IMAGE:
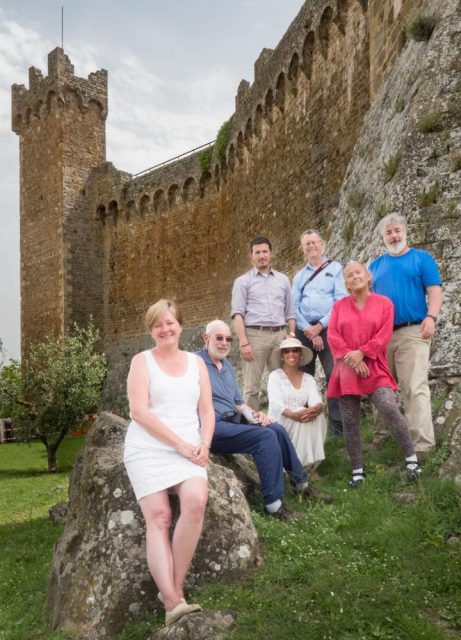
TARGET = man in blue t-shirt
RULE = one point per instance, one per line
(240, 429)
(411, 279)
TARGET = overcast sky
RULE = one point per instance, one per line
(174, 68)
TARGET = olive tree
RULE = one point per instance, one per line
(55, 387)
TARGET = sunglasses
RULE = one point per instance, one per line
(292, 350)
(220, 338)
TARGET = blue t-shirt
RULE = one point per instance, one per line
(404, 279)
(226, 394)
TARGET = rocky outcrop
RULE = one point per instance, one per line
(99, 580)
(207, 625)
(408, 159)
(448, 424)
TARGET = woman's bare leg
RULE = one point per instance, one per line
(193, 495)
(157, 515)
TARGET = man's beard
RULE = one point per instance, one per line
(397, 248)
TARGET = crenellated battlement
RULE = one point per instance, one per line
(299, 61)
(100, 242)
(60, 88)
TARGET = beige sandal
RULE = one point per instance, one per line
(181, 609)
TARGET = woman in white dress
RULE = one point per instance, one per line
(295, 402)
(166, 447)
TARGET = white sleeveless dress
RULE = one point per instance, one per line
(151, 464)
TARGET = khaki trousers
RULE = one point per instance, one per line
(408, 358)
(264, 345)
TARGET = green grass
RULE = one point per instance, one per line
(362, 568)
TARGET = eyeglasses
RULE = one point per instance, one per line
(291, 350)
(220, 338)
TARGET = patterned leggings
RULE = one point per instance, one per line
(384, 400)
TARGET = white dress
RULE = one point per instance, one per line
(151, 464)
(307, 437)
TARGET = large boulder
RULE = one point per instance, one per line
(99, 579)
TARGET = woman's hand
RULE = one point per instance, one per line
(306, 414)
(353, 358)
(201, 455)
(362, 370)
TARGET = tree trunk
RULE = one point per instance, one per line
(51, 450)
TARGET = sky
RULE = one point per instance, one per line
(174, 68)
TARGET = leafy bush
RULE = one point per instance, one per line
(57, 385)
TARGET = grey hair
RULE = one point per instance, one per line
(213, 325)
(389, 219)
(308, 233)
(365, 268)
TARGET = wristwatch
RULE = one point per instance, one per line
(434, 318)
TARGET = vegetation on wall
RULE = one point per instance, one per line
(389, 168)
(430, 121)
(222, 140)
(204, 159)
(355, 199)
(426, 198)
(421, 26)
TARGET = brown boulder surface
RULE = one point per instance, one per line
(99, 579)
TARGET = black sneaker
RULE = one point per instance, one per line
(357, 480)
(284, 512)
(413, 471)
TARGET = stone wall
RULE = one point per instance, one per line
(388, 21)
(183, 233)
(96, 241)
(60, 121)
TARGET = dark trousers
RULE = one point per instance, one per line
(335, 424)
(272, 451)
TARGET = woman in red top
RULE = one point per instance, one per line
(359, 331)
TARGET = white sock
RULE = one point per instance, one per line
(273, 506)
(357, 474)
(302, 485)
(413, 458)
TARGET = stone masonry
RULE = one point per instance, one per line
(97, 241)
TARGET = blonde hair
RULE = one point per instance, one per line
(157, 310)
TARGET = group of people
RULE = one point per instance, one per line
(185, 405)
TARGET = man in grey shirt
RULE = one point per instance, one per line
(262, 307)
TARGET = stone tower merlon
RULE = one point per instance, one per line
(61, 78)
(60, 121)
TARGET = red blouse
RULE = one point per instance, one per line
(368, 329)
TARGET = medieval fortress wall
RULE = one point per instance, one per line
(97, 241)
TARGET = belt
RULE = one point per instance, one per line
(406, 324)
(260, 328)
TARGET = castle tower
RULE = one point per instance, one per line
(60, 121)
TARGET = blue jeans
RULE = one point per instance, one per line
(272, 451)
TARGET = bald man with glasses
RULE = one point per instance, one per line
(240, 429)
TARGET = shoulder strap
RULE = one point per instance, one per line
(323, 266)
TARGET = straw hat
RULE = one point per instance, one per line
(291, 343)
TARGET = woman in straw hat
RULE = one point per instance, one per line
(295, 402)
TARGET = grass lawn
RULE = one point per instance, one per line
(365, 567)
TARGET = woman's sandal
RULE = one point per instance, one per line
(413, 471)
(357, 480)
